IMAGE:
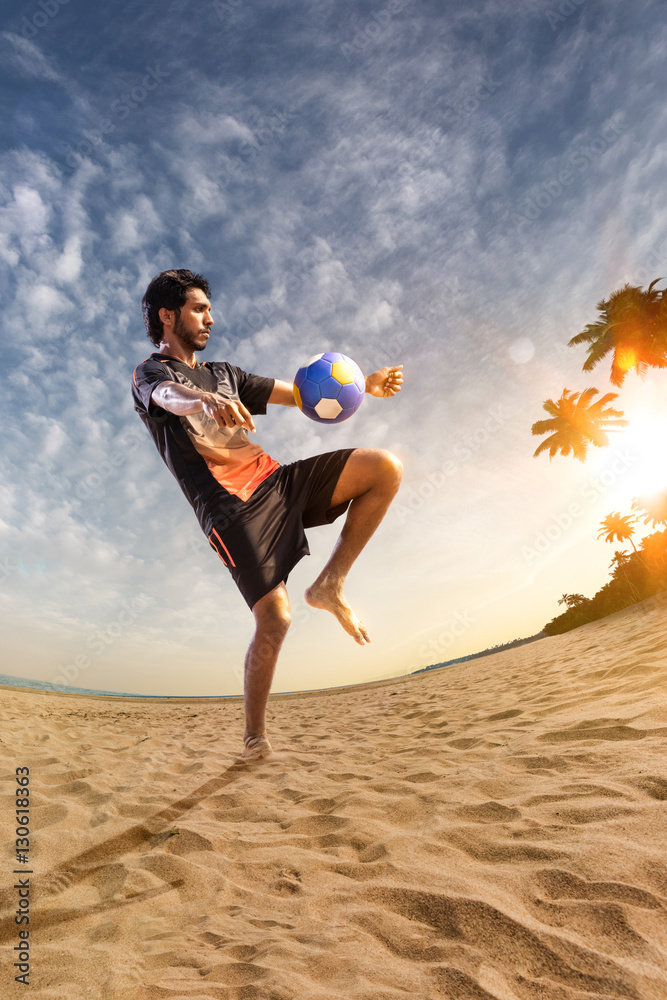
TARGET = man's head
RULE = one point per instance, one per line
(164, 299)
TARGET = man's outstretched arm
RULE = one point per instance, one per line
(282, 393)
(181, 400)
(384, 382)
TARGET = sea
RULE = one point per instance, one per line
(28, 682)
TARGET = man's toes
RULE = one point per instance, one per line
(359, 633)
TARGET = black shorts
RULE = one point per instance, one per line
(265, 540)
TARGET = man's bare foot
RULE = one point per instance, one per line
(256, 747)
(329, 597)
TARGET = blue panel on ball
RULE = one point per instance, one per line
(330, 387)
(310, 394)
(319, 370)
(300, 377)
(343, 415)
(349, 396)
(333, 356)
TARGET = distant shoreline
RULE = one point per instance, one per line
(7, 680)
(485, 652)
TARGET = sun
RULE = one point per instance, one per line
(645, 439)
(626, 358)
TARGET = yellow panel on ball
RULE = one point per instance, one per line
(297, 397)
(342, 372)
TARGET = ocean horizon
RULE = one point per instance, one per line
(29, 682)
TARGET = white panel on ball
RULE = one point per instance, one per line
(328, 409)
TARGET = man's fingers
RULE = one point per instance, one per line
(395, 380)
(236, 415)
(230, 414)
(247, 417)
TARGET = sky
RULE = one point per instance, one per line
(451, 186)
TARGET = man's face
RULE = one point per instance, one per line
(193, 324)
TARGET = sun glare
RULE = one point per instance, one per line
(645, 440)
(626, 358)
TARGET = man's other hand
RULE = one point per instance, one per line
(385, 381)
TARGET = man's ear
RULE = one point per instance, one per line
(166, 316)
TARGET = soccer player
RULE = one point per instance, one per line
(253, 510)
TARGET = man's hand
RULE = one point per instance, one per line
(385, 381)
(227, 412)
(181, 400)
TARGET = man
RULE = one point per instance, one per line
(252, 510)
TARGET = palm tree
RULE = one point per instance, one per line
(632, 324)
(577, 609)
(615, 527)
(573, 600)
(655, 549)
(654, 509)
(619, 562)
(577, 422)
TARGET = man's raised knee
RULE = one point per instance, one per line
(391, 466)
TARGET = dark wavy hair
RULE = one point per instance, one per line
(168, 290)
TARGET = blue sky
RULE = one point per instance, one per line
(451, 186)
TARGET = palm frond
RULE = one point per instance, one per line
(543, 426)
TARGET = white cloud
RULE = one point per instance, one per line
(210, 128)
(27, 58)
(29, 216)
(70, 262)
(44, 305)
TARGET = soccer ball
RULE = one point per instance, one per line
(329, 388)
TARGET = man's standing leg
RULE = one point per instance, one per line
(370, 479)
(272, 620)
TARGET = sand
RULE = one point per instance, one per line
(496, 829)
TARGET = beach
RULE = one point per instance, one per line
(494, 830)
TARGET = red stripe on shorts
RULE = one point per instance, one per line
(215, 549)
(225, 548)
